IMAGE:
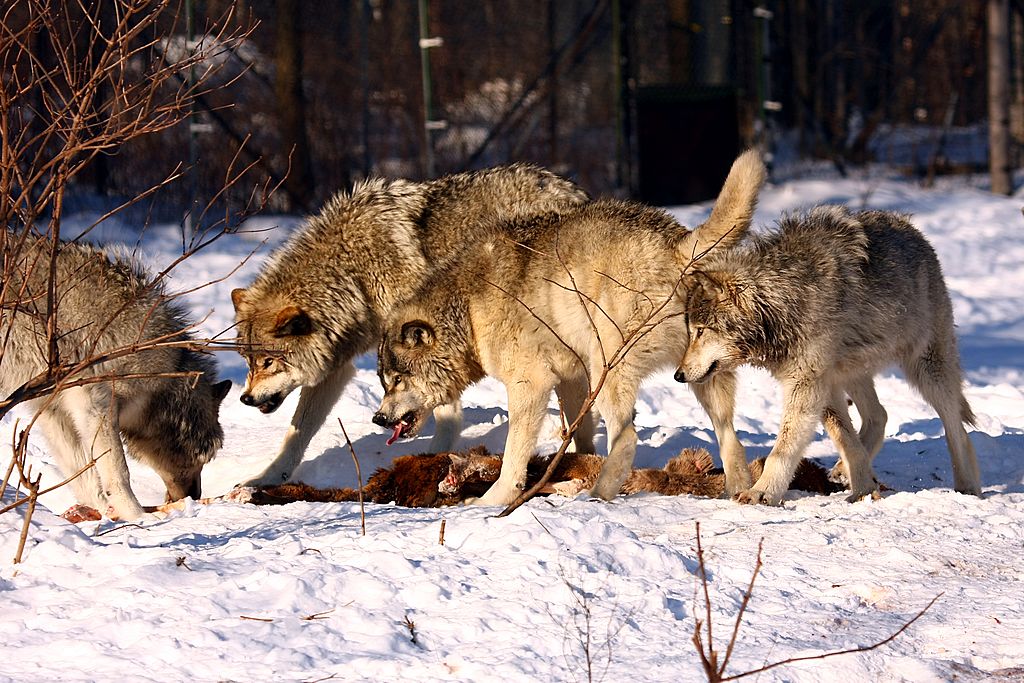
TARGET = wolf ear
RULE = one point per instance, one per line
(292, 321)
(221, 389)
(417, 333)
(237, 297)
(707, 289)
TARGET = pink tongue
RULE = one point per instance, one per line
(397, 433)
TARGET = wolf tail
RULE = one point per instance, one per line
(733, 211)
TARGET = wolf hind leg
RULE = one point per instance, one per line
(936, 374)
(447, 427)
(315, 403)
(855, 458)
(872, 421)
(572, 393)
(718, 396)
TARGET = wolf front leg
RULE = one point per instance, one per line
(527, 405)
(718, 396)
(447, 427)
(93, 412)
(803, 401)
(315, 403)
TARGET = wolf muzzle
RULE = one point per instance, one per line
(268, 405)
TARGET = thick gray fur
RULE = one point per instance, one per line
(168, 423)
(322, 298)
(824, 303)
(543, 304)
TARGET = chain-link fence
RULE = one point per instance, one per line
(645, 98)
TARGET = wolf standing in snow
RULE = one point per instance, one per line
(824, 303)
(168, 423)
(322, 299)
(542, 305)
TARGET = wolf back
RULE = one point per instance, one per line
(824, 303)
(548, 304)
(322, 298)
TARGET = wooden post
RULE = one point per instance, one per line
(999, 96)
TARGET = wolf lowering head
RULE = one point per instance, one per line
(288, 345)
(177, 430)
(425, 360)
(713, 310)
(267, 335)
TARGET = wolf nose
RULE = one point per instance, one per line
(680, 376)
(380, 419)
(247, 399)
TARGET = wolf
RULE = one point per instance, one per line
(550, 303)
(824, 302)
(323, 297)
(104, 306)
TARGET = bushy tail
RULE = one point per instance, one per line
(734, 209)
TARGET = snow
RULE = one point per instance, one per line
(232, 592)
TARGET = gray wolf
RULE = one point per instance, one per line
(106, 305)
(548, 304)
(824, 303)
(323, 297)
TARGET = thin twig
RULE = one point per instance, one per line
(318, 615)
(359, 477)
(16, 503)
(864, 648)
(743, 607)
(708, 654)
(33, 497)
(128, 525)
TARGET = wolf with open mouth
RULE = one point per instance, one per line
(322, 298)
(542, 304)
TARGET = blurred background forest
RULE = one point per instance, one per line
(644, 98)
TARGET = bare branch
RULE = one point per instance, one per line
(714, 672)
(359, 478)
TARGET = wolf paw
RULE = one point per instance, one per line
(604, 492)
(123, 509)
(838, 474)
(266, 478)
(871, 492)
(754, 497)
(496, 495)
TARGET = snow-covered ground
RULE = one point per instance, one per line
(230, 592)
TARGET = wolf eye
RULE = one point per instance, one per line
(395, 381)
(267, 362)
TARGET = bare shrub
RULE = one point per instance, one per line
(80, 80)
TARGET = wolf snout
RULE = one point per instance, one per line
(382, 420)
(266, 405)
(680, 376)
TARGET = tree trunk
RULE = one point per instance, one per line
(999, 95)
(291, 103)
